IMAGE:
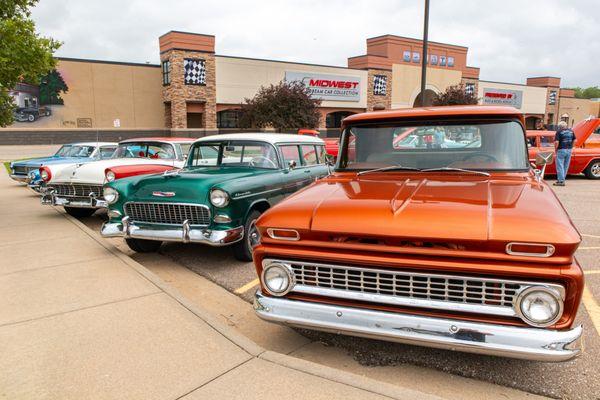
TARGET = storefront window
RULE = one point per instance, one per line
(228, 119)
(166, 72)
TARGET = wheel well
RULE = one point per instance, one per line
(591, 162)
(261, 206)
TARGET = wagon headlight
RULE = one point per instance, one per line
(219, 198)
(539, 306)
(277, 279)
(110, 195)
(110, 176)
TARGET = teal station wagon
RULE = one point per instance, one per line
(227, 183)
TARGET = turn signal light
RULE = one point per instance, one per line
(530, 249)
(283, 234)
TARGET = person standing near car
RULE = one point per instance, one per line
(563, 143)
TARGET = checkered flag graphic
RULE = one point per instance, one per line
(380, 85)
(470, 88)
(194, 71)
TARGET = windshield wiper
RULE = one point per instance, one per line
(389, 168)
(471, 171)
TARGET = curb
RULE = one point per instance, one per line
(249, 346)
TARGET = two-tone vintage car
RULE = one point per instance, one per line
(461, 248)
(227, 183)
(28, 170)
(585, 156)
(78, 186)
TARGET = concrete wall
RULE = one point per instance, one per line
(239, 78)
(100, 92)
(534, 98)
(406, 82)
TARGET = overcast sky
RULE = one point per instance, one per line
(509, 40)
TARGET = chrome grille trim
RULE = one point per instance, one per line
(168, 213)
(22, 170)
(459, 293)
(76, 190)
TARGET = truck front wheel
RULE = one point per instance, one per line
(593, 170)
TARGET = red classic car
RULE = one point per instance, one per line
(585, 157)
(331, 144)
(427, 245)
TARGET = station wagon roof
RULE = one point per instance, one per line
(272, 138)
(435, 112)
(159, 139)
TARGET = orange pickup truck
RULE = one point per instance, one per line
(460, 245)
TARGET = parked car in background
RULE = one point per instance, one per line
(78, 186)
(331, 144)
(585, 156)
(227, 183)
(28, 170)
(464, 249)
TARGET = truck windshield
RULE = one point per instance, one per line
(485, 146)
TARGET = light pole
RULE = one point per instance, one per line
(424, 99)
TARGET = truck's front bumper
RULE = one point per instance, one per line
(50, 199)
(184, 234)
(472, 337)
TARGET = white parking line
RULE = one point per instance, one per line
(592, 308)
(591, 236)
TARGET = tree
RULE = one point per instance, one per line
(592, 92)
(281, 106)
(51, 86)
(24, 55)
(454, 96)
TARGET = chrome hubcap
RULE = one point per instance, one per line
(253, 238)
(596, 169)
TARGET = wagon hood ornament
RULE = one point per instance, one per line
(163, 194)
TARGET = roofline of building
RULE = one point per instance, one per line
(107, 62)
(288, 62)
(543, 77)
(510, 83)
(186, 33)
(420, 40)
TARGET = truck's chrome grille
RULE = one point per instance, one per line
(76, 190)
(168, 213)
(403, 288)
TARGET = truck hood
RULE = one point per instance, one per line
(477, 209)
(186, 185)
(93, 172)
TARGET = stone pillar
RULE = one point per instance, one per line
(379, 101)
(175, 49)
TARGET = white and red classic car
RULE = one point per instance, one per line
(78, 187)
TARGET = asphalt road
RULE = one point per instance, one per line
(577, 379)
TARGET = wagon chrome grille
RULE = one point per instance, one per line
(402, 288)
(168, 213)
(76, 190)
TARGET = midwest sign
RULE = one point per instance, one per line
(503, 97)
(328, 87)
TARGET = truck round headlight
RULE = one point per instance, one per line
(539, 306)
(110, 176)
(110, 195)
(277, 279)
(219, 198)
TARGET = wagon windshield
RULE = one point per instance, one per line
(234, 154)
(63, 151)
(485, 146)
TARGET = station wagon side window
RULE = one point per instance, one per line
(107, 152)
(309, 155)
(321, 154)
(291, 152)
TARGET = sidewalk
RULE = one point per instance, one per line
(80, 320)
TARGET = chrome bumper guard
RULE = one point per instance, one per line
(472, 337)
(50, 199)
(19, 178)
(169, 233)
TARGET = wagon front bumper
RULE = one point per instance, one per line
(169, 233)
(471, 337)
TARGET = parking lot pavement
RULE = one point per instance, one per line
(576, 379)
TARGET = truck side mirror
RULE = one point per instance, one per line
(292, 164)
